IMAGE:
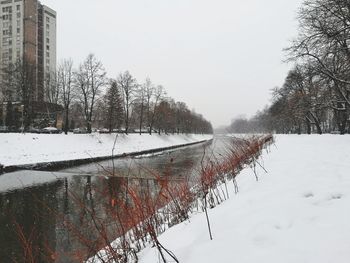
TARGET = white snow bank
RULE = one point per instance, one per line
(20, 149)
(24, 178)
(298, 212)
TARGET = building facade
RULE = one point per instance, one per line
(46, 50)
(28, 33)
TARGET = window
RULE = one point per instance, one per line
(10, 42)
(47, 19)
(7, 9)
(47, 47)
(18, 30)
(47, 40)
(18, 15)
(18, 7)
(7, 17)
(47, 26)
(47, 55)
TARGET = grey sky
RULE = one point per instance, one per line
(221, 57)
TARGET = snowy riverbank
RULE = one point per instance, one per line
(298, 212)
(27, 149)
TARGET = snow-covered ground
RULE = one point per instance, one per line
(24, 178)
(298, 212)
(21, 149)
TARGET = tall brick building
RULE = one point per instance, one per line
(28, 37)
(28, 33)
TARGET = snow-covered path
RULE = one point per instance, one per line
(298, 212)
(23, 149)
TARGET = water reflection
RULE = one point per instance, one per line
(178, 162)
(23, 212)
(53, 216)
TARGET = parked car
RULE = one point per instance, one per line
(51, 130)
(34, 130)
(104, 130)
(80, 131)
(118, 131)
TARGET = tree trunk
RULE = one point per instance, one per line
(342, 126)
(88, 126)
(341, 120)
(151, 126)
(141, 118)
(110, 121)
(127, 120)
(317, 123)
(308, 126)
(66, 125)
(318, 127)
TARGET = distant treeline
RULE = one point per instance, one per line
(90, 99)
(315, 97)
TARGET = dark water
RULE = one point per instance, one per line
(35, 207)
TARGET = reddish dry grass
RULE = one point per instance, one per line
(137, 217)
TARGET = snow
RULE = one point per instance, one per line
(298, 212)
(50, 129)
(25, 178)
(23, 149)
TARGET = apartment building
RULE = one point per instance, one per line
(46, 51)
(28, 33)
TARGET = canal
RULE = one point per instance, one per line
(42, 213)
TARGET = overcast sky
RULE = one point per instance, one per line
(221, 57)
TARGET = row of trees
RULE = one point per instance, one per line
(91, 99)
(315, 96)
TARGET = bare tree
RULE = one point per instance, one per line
(19, 84)
(142, 101)
(158, 95)
(52, 88)
(65, 86)
(89, 79)
(323, 39)
(8, 83)
(128, 85)
(149, 91)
